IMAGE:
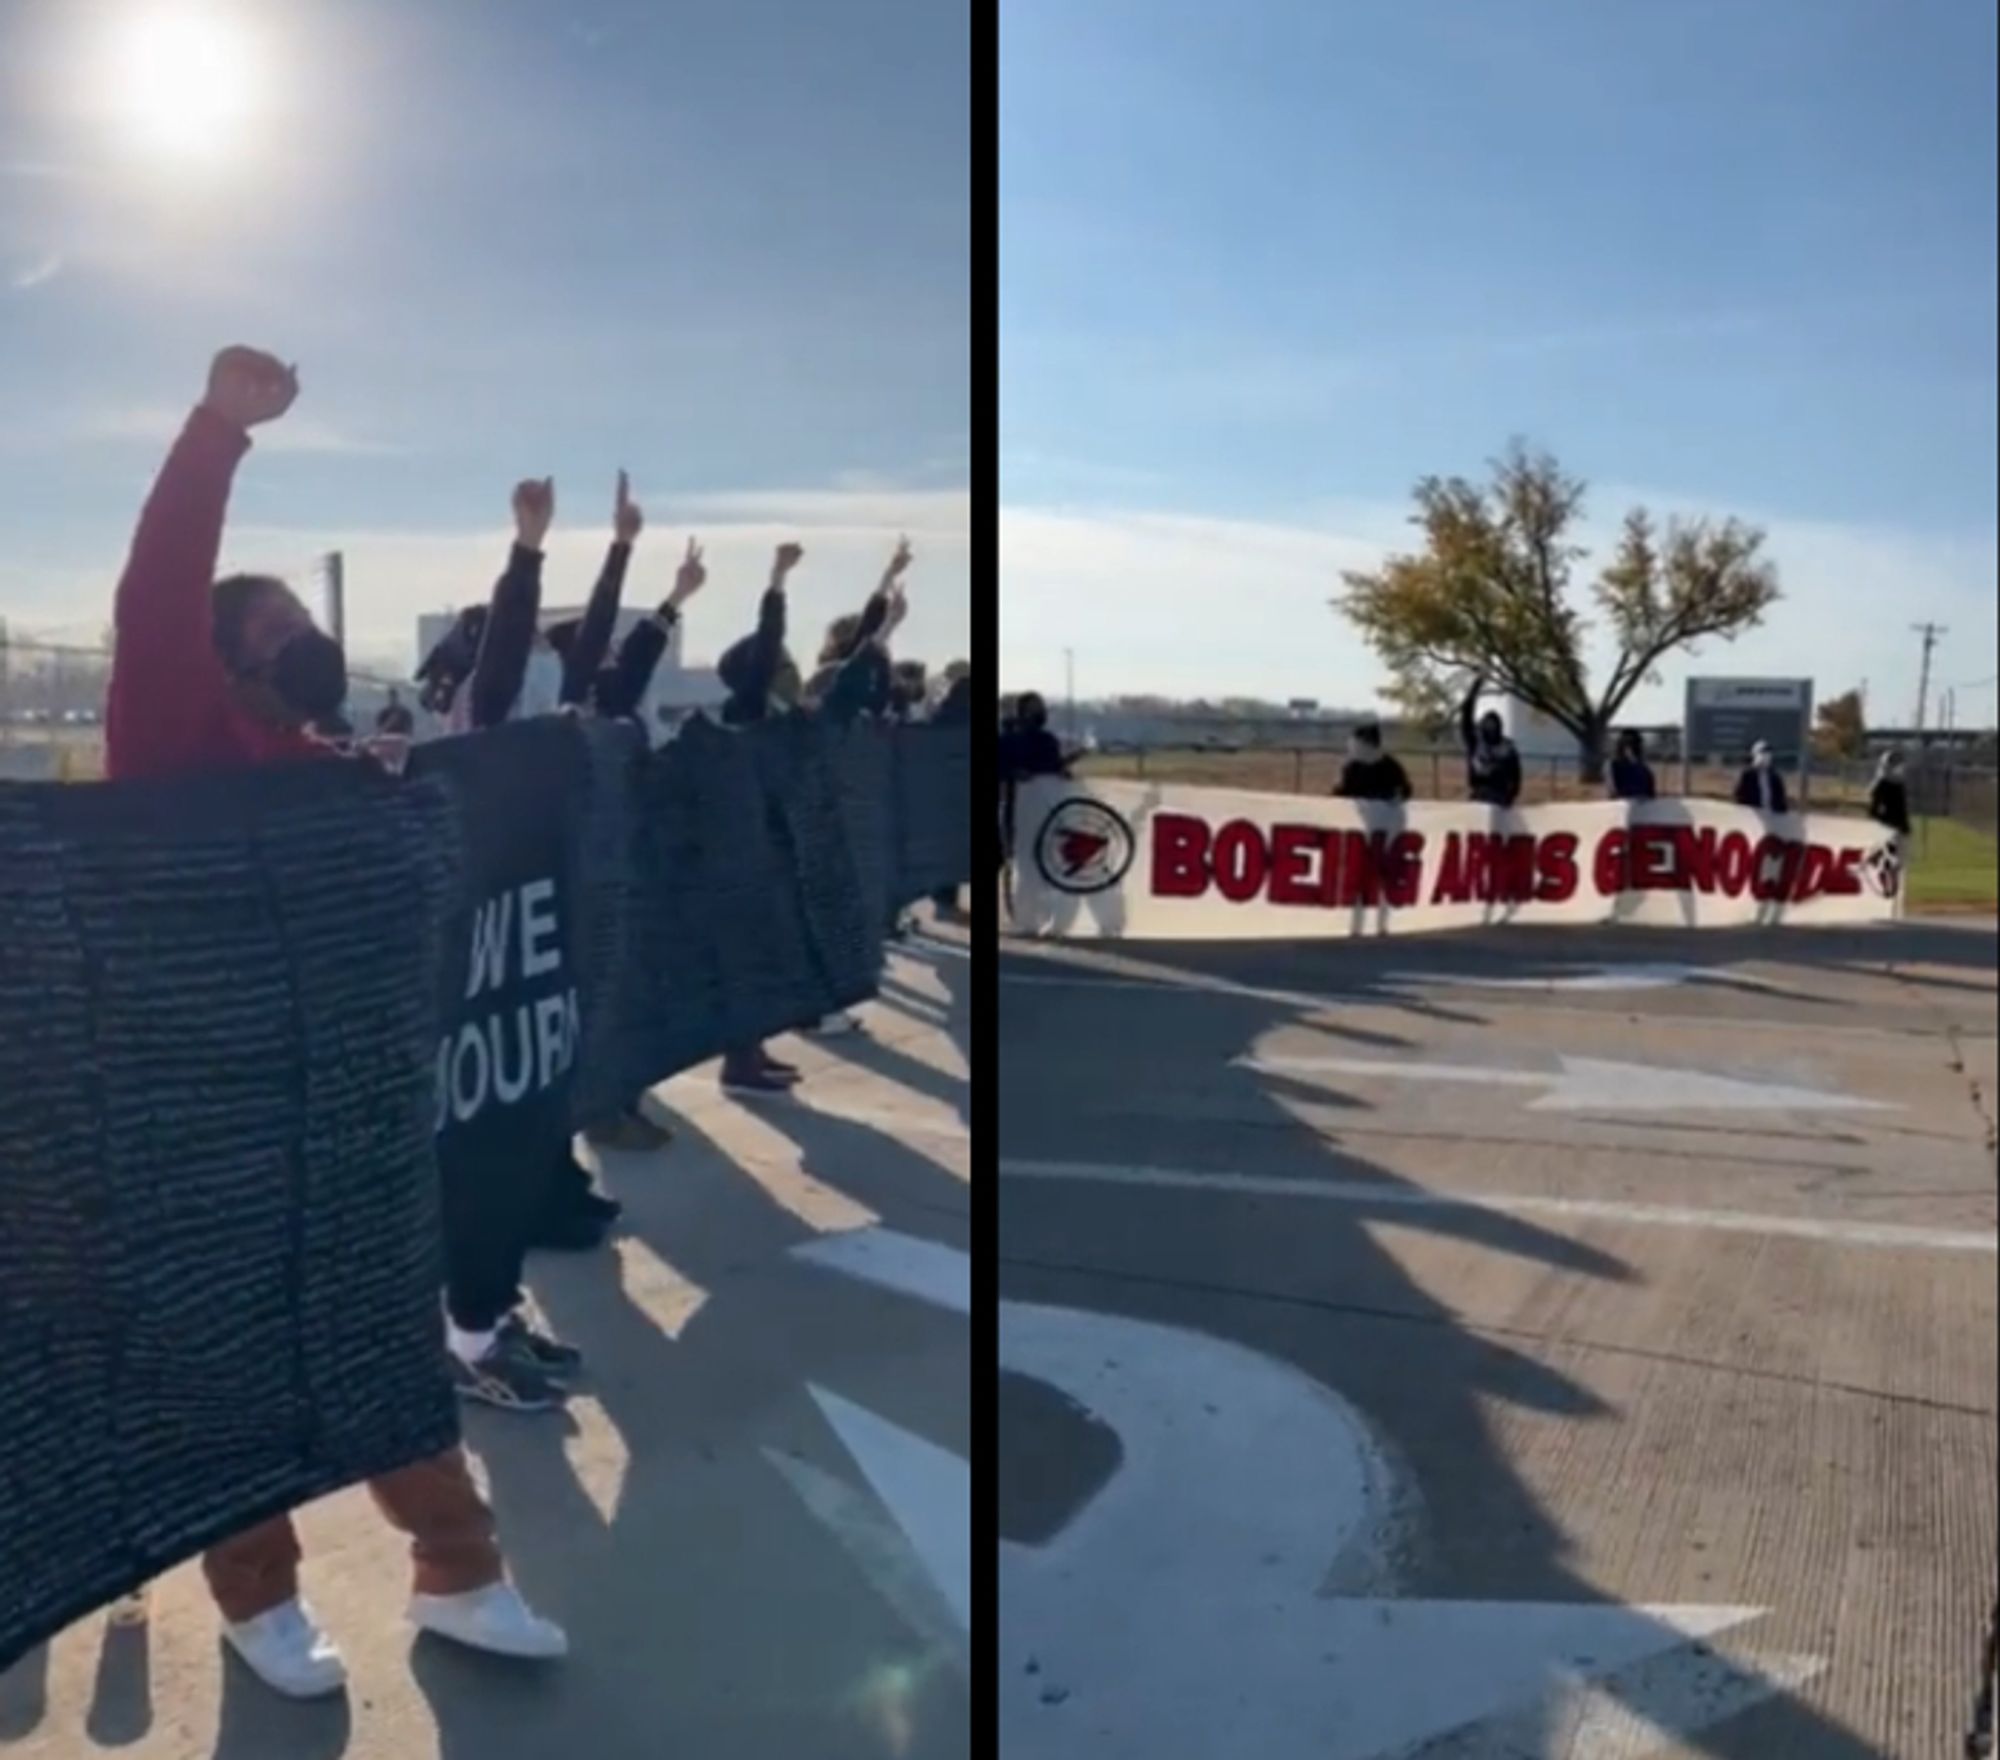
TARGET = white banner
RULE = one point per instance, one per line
(1109, 859)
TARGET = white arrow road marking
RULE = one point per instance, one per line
(1589, 1084)
(1382, 1195)
(1182, 1616)
(927, 1489)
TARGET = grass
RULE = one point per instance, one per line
(1953, 867)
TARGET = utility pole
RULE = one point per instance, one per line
(1930, 633)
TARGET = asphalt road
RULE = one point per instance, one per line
(754, 1521)
(1497, 1347)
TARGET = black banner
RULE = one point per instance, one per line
(245, 1021)
(219, 1245)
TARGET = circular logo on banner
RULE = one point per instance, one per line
(1883, 868)
(1084, 847)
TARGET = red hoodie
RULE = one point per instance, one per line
(170, 710)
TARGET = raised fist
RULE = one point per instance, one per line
(247, 387)
(534, 511)
(688, 581)
(627, 522)
(787, 559)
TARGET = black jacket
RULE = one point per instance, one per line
(1632, 780)
(955, 706)
(621, 687)
(1380, 778)
(861, 681)
(1493, 773)
(1749, 790)
(748, 667)
(1889, 804)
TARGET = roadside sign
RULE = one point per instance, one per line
(1727, 716)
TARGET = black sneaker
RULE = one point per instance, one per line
(785, 1072)
(757, 1080)
(504, 1379)
(556, 1361)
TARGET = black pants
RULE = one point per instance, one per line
(493, 1205)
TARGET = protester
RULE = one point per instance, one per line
(1631, 775)
(856, 677)
(616, 693)
(954, 709)
(393, 719)
(1371, 774)
(1889, 799)
(1760, 786)
(1493, 766)
(1027, 750)
(218, 675)
(621, 687)
(760, 677)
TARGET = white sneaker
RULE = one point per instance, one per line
(494, 1619)
(835, 1026)
(286, 1650)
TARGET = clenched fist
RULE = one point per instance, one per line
(534, 511)
(247, 387)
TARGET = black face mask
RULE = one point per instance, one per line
(309, 674)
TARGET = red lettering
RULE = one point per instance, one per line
(1654, 865)
(1180, 856)
(1292, 849)
(1514, 881)
(1450, 886)
(1607, 863)
(1770, 870)
(1697, 857)
(1240, 861)
(1845, 880)
(1405, 878)
(1732, 863)
(1555, 866)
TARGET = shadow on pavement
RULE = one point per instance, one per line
(708, 1611)
(1332, 1302)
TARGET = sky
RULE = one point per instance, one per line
(1263, 267)
(723, 244)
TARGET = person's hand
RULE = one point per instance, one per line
(688, 581)
(788, 558)
(898, 565)
(627, 522)
(247, 387)
(534, 511)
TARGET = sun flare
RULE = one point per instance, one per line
(184, 84)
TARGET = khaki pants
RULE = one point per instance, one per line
(434, 1502)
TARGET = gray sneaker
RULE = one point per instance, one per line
(507, 1379)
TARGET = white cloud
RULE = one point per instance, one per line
(156, 425)
(1195, 606)
(38, 273)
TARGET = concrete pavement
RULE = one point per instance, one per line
(1630, 1298)
(746, 1519)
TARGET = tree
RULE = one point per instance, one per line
(1843, 727)
(1489, 595)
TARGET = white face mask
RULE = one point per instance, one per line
(1762, 760)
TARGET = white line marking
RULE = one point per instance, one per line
(1589, 1084)
(901, 1262)
(926, 1488)
(1367, 995)
(1365, 1195)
